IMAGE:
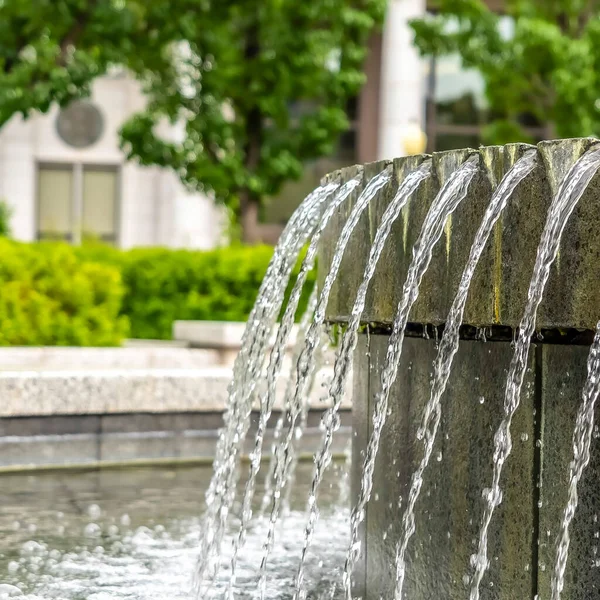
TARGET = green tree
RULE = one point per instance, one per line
(548, 68)
(51, 50)
(255, 93)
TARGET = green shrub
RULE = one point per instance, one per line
(49, 296)
(95, 295)
(6, 213)
(164, 285)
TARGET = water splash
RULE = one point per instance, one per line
(348, 344)
(448, 348)
(305, 364)
(301, 425)
(275, 365)
(450, 196)
(246, 369)
(287, 397)
(570, 192)
(582, 440)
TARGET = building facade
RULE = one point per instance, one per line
(65, 177)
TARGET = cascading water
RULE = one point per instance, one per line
(276, 363)
(289, 390)
(348, 344)
(448, 348)
(582, 441)
(305, 363)
(310, 225)
(245, 374)
(570, 192)
(330, 564)
(446, 202)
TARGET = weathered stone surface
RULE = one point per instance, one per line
(499, 290)
(99, 392)
(564, 373)
(524, 529)
(394, 260)
(573, 295)
(452, 250)
(354, 259)
(448, 512)
(361, 426)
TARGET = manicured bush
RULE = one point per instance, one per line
(95, 295)
(164, 285)
(50, 296)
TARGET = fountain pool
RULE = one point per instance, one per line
(133, 534)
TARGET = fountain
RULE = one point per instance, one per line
(461, 293)
(464, 291)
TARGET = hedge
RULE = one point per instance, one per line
(163, 285)
(54, 294)
(50, 296)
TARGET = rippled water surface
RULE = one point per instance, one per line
(133, 534)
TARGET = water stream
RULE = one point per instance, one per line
(305, 365)
(287, 397)
(276, 362)
(448, 199)
(582, 441)
(569, 193)
(347, 346)
(246, 370)
(448, 348)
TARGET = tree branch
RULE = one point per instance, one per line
(74, 34)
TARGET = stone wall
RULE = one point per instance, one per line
(448, 514)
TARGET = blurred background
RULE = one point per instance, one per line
(167, 142)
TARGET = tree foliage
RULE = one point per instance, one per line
(51, 50)
(548, 67)
(252, 88)
(253, 91)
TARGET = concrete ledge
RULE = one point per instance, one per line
(220, 335)
(58, 358)
(43, 442)
(26, 393)
(499, 290)
(117, 449)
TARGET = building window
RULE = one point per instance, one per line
(77, 202)
(456, 106)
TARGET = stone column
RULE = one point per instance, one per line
(401, 95)
(448, 514)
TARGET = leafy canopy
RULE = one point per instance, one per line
(51, 50)
(255, 89)
(250, 88)
(549, 67)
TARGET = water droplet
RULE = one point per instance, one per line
(92, 530)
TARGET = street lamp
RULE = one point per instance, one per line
(414, 139)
